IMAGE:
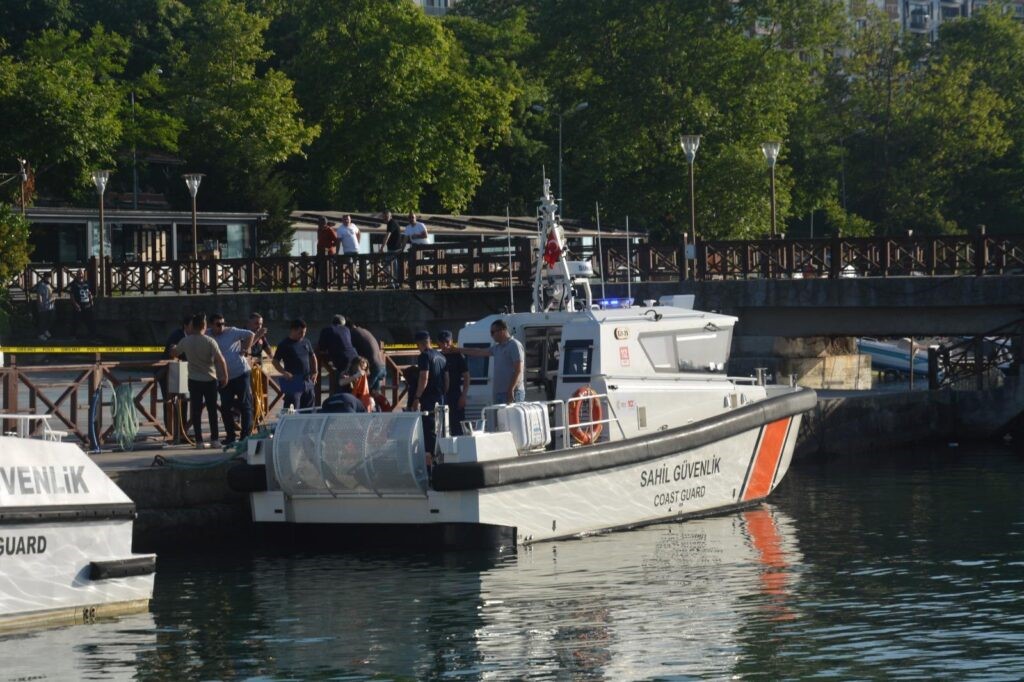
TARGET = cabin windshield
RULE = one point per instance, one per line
(687, 351)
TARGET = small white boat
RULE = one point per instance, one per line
(629, 420)
(894, 356)
(65, 539)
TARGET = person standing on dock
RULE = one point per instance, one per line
(295, 359)
(509, 355)
(234, 344)
(392, 246)
(431, 387)
(416, 232)
(458, 382)
(206, 367)
(82, 302)
(44, 307)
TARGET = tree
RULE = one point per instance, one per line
(913, 124)
(991, 45)
(66, 103)
(14, 247)
(242, 120)
(401, 111)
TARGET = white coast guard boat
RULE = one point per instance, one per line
(65, 539)
(629, 420)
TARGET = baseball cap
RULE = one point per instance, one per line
(444, 336)
(422, 335)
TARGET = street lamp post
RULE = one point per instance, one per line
(579, 107)
(771, 154)
(100, 178)
(192, 181)
(23, 176)
(690, 145)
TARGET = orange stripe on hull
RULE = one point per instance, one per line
(767, 460)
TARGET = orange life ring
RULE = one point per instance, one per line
(589, 433)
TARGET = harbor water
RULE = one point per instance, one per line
(889, 566)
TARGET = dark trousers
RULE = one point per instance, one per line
(427, 405)
(83, 317)
(298, 398)
(237, 395)
(203, 393)
(455, 415)
(43, 320)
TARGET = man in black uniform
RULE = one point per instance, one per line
(458, 382)
(430, 388)
(81, 301)
(393, 247)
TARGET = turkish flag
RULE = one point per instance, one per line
(552, 252)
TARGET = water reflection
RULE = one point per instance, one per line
(109, 650)
(865, 572)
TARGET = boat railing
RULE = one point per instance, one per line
(561, 408)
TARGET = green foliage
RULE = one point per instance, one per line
(402, 109)
(63, 95)
(14, 247)
(240, 123)
(362, 104)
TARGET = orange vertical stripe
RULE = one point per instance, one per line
(772, 440)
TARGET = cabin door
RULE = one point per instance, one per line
(541, 365)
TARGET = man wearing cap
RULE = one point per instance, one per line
(509, 355)
(458, 382)
(430, 388)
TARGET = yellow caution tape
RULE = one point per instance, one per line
(138, 349)
(82, 349)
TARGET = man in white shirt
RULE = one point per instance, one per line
(415, 231)
(348, 233)
(234, 344)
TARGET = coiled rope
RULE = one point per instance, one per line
(125, 416)
(258, 382)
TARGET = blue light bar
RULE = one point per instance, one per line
(610, 303)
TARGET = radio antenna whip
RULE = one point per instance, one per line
(600, 248)
(629, 267)
(508, 234)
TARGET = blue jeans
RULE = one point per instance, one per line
(518, 396)
(377, 378)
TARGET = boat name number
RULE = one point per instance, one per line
(681, 472)
(22, 544)
(48, 480)
(621, 333)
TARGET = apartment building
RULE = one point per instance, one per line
(436, 8)
(923, 17)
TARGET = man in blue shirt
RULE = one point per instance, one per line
(336, 343)
(430, 388)
(234, 345)
(458, 382)
(509, 355)
(295, 359)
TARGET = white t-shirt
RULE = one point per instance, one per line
(417, 233)
(349, 236)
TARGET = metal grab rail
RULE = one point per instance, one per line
(561, 408)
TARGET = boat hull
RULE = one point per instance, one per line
(711, 467)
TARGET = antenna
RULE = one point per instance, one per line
(508, 234)
(629, 267)
(600, 248)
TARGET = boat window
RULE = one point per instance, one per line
(577, 364)
(696, 351)
(478, 367)
(661, 351)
